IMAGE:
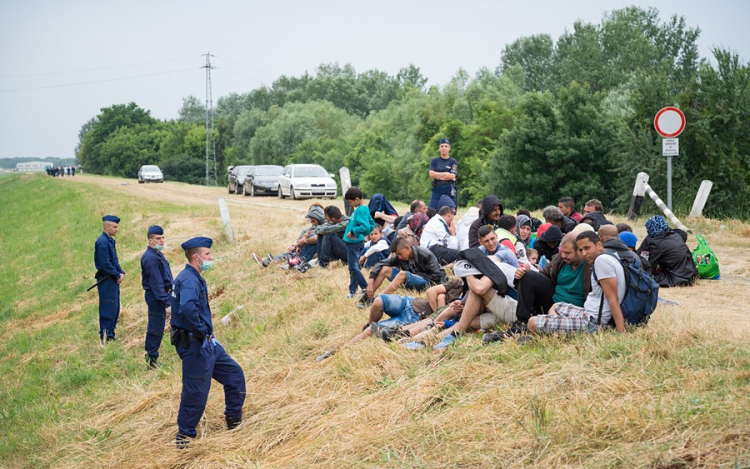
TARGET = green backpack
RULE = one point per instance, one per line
(705, 260)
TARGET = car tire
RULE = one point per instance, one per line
(252, 190)
(291, 193)
(281, 194)
(229, 189)
(140, 182)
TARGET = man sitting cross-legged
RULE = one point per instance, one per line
(407, 315)
(413, 267)
(605, 295)
(490, 283)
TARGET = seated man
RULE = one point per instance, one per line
(463, 225)
(306, 246)
(601, 305)
(414, 267)
(547, 243)
(568, 208)
(671, 261)
(593, 205)
(405, 311)
(376, 249)
(331, 246)
(489, 213)
(554, 216)
(614, 244)
(565, 279)
(439, 236)
(491, 246)
(417, 206)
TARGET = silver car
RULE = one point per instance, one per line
(150, 173)
(263, 179)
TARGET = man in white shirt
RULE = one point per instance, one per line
(606, 295)
(439, 236)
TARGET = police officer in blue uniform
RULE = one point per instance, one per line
(109, 276)
(156, 278)
(203, 357)
(444, 172)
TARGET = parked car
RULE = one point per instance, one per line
(150, 173)
(305, 181)
(263, 179)
(236, 178)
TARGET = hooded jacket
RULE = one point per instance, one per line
(488, 203)
(671, 261)
(424, 263)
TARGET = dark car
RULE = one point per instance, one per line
(263, 179)
(236, 179)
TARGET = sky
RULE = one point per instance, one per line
(150, 52)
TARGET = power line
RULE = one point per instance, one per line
(98, 69)
(246, 66)
(98, 81)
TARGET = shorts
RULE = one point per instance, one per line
(413, 281)
(399, 310)
(501, 309)
(569, 318)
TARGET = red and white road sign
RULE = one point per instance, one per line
(669, 122)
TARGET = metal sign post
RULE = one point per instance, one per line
(669, 123)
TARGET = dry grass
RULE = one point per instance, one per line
(673, 395)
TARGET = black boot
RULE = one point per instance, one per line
(182, 441)
(233, 423)
(152, 362)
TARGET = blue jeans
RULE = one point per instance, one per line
(399, 310)
(413, 282)
(375, 258)
(308, 251)
(330, 248)
(356, 279)
(157, 315)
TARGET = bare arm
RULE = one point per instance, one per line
(442, 176)
(609, 288)
(480, 286)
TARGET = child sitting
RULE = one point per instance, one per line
(376, 249)
(532, 255)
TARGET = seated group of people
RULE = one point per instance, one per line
(497, 280)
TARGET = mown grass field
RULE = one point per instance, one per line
(672, 395)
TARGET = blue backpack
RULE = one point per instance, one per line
(641, 293)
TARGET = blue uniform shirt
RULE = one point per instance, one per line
(440, 165)
(190, 310)
(105, 257)
(156, 276)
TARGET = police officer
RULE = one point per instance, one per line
(203, 357)
(109, 276)
(444, 172)
(156, 278)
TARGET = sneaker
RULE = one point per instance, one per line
(265, 262)
(313, 263)
(325, 355)
(349, 296)
(494, 337)
(389, 334)
(446, 342)
(257, 259)
(365, 301)
(413, 345)
(376, 328)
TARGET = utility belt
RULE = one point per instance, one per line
(177, 336)
(436, 183)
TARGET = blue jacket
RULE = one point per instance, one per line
(105, 257)
(156, 276)
(190, 310)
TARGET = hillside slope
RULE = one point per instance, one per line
(672, 395)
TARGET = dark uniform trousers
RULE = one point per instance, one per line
(157, 316)
(202, 361)
(109, 307)
(439, 191)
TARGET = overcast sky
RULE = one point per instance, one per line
(45, 44)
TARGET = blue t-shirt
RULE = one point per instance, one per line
(440, 165)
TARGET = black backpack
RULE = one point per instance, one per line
(641, 293)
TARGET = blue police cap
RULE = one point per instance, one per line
(629, 239)
(111, 218)
(199, 242)
(444, 140)
(155, 230)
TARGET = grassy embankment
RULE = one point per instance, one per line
(672, 395)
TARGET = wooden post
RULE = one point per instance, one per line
(225, 220)
(638, 192)
(701, 198)
(346, 183)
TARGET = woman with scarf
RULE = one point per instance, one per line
(665, 249)
(412, 232)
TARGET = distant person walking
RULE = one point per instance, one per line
(109, 276)
(156, 278)
(444, 172)
(203, 357)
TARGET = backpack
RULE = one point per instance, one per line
(641, 293)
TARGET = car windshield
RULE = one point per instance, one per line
(310, 172)
(243, 170)
(268, 171)
(150, 168)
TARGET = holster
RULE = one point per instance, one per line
(178, 335)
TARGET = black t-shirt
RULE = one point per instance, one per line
(440, 165)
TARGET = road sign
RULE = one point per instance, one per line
(669, 122)
(670, 147)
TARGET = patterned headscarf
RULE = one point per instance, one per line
(417, 222)
(656, 225)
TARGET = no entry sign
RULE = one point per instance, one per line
(669, 122)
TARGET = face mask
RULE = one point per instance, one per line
(205, 265)
(158, 247)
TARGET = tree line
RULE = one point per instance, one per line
(567, 117)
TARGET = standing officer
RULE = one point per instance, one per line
(203, 357)
(109, 275)
(444, 172)
(156, 278)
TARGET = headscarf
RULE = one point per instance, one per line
(522, 220)
(417, 222)
(656, 225)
